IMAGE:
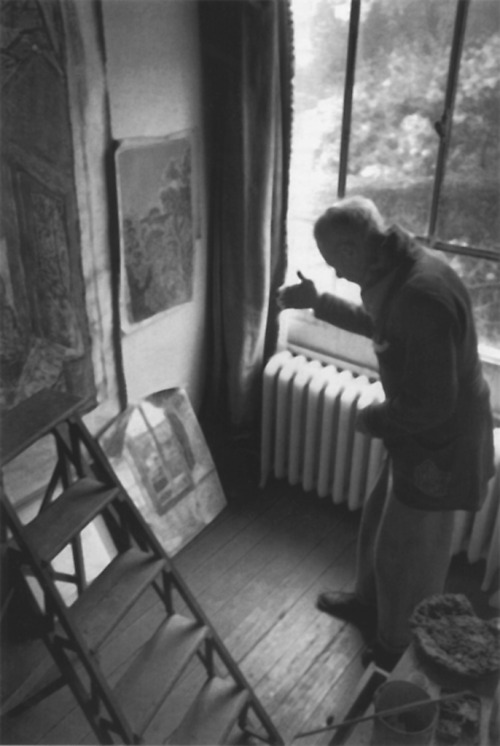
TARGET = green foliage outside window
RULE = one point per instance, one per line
(400, 83)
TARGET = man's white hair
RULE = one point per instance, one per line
(358, 213)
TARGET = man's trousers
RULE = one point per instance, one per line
(403, 556)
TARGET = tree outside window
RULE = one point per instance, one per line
(400, 93)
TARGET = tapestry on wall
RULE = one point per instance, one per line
(156, 226)
(44, 334)
(160, 455)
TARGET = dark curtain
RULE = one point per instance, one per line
(247, 67)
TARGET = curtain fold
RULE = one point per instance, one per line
(247, 67)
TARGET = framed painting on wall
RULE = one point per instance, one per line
(157, 235)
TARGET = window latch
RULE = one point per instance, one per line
(441, 126)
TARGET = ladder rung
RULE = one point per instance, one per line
(212, 714)
(27, 666)
(108, 598)
(65, 517)
(33, 418)
(146, 698)
(156, 668)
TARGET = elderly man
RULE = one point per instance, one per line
(435, 422)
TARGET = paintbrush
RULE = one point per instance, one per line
(384, 713)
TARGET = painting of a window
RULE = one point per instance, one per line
(155, 204)
(158, 452)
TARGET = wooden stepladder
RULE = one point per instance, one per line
(82, 488)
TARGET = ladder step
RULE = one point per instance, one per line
(152, 694)
(64, 518)
(27, 666)
(156, 668)
(212, 715)
(33, 418)
(108, 598)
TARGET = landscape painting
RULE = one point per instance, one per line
(156, 226)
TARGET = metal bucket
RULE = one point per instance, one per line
(414, 727)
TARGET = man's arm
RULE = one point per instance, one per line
(327, 307)
(342, 313)
(428, 388)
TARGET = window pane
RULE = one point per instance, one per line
(320, 39)
(401, 70)
(470, 198)
(402, 67)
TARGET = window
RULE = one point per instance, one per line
(399, 100)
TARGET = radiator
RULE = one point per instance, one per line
(308, 438)
(308, 434)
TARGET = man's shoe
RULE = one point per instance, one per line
(382, 657)
(348, 607)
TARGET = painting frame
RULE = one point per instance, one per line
(158, 226)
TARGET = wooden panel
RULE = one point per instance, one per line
(212, 715)
(256, 571)
(111, 595)
(307, 679)
(32, 419)
(26, 666)
(292, 597)
(249, 581)
(67, 515)
(156, 668)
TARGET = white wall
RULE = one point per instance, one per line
(152, 77)
(153, 80)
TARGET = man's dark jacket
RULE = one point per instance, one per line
(436, 420)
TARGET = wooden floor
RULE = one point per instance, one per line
(256, 570)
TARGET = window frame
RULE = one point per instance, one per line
(443, 128)
(300, 331)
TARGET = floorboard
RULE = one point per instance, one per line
(256, 570)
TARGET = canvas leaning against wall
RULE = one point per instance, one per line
(155, 203)
(160, 455)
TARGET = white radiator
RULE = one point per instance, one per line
(308, 433)
(308, 437)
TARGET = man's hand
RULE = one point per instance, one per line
(301, 295)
